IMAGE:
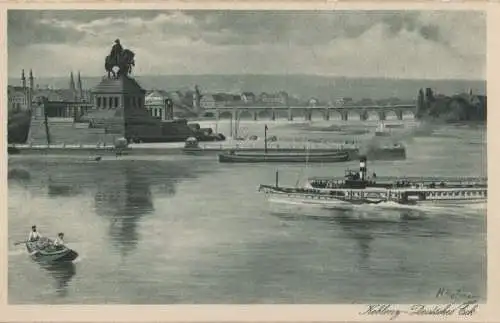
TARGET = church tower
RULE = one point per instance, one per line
(25, 90)
(72, 88)
(30, 90)
(23, 79)
(80, 95)
(31, 80)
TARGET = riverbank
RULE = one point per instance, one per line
(171, 148)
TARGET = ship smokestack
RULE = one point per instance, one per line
(362, 168)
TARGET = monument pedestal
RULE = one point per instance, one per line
(120, 110)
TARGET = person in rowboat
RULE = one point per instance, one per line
(59, 242)
(34, 235)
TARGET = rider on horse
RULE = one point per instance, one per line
(121, 58)
(116, 51)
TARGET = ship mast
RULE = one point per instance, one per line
(46, 117)
(362, 168)
(265, 138)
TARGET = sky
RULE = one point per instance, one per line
(392, 44)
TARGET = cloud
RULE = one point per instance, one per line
(25, 28)
(433, 44)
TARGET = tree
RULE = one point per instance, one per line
(421, 106)
(429, 95)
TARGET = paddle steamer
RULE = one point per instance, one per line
(358, 188)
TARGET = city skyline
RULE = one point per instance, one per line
(390, 44)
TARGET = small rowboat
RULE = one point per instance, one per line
(331, 157)
(44, 251)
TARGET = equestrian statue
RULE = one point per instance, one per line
(121, 58)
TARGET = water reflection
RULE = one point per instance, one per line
(61, 188)
(363, 236)
(363, 226)
(125, 195)
(62, 273)
(19, 175)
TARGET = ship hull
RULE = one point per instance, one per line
(376, 153)
(352, 197)
(283, 158)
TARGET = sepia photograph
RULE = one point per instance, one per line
(247, 157)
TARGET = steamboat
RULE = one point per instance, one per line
(358, 188)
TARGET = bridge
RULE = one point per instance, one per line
(347, 112)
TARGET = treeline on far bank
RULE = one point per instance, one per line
(456, 108)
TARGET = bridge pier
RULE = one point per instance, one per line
(381, 115)
(290, 114)
(344, 115)
(326, 114)
(363, 115)
(273, 115)
(254, 116)
(308, 115)
(399, 114)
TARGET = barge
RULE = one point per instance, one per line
(297, 157)
(388, 152)
(358, 188)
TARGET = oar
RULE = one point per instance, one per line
(22, 242)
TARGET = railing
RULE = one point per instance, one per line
(62, 146)
(413, 182)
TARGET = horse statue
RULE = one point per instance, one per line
(124, 61)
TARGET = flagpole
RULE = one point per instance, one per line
(231, 127)
(265, 138)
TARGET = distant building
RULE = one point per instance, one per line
(17, 98)
(366, 101)
(248, 97)
(207, 101)
(478, 100)
(313, 102)
(68, 100)
(280, 98)
(217, 100)
(61, 109)
(475, 99)
(344, 101)
(154, 102)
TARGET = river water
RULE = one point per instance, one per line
(185, 229)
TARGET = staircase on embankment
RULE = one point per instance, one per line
(66, 131)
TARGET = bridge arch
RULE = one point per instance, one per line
(372, 115)
(245, 115)
(298, 113)
(354, 114)
(226, 115)
(209, 115)
(334, 114)
(390, 114)
(317, 114)
(408, 114)
(281, 114)
(265, 114)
